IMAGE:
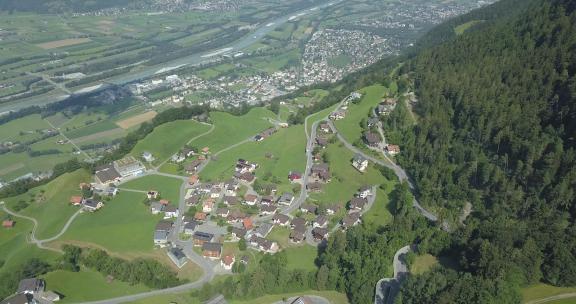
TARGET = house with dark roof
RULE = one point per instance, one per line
(320, 172)
(212, 251)
(371, 139)
(357, 204)
(176, 254)
(31, 286)
(190, 227)
(238, 233)
(320, 233)
(200, 238)
(91, 205)
(308, 208)
(351, 220)
(156, 207)
(106, 174)
(298, 221)
(297, 236)
(314, 187)
(364, 191)
(281, 219)
(321, 221)
(286, 199)
(268, 209)
(263, 230)
(170, 211)
(19, 299)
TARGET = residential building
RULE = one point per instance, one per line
(393, 149)
(177, 256)
(31, 286)
(357, 204)
(171, 211)
(156, 207)
(201, 237)
(320, 233)
(351, 220)
(106, 174)
(281, 219)
(263, 230)
(286, 199)
(212, 250)
(359, 162)
(227, 262)
(321, 221)
(371, 139)
(91, 205)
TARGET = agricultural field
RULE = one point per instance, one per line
(87, 285)
(15, 165)
(310, 97)
(49, 204)
(168, 139)
(276, 155)
(168, 187)
(126, 217)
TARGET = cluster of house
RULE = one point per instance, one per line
(32, 291)
(372, 139)
(255, 236)
(116, 171)
(93, 203)
(244, 170)
(161, 206)
(340, 113)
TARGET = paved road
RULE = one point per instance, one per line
(33, 239)
(387, 288)
(400, 173)
(313, 300)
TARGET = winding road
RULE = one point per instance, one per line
(387, 288)
(33, 239)
(400, 173)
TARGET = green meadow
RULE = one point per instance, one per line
(168, 139)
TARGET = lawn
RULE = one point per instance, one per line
(49, 204)
(540, 291)
(301, 257)
(285, 151)
(350, 127)
(332, 296)
(87, 285)
(125, 217)
(168, 138)
(168, 187)
(423, 263)
(281, 236)
(230, 129)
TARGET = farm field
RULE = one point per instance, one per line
(168, 187)
(23, 129)
(49, 204)
(126, 217)
(136, 120)
(62, 43)
(285, 151)
(87, 285)
(15, 165)
(230, 129)
(168, 138)
(350, 127)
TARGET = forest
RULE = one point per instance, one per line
(496, 129)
